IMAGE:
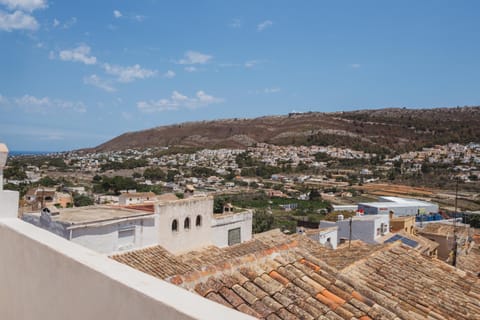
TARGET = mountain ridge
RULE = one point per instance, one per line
(374, 130)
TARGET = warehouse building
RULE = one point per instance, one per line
(400, 206)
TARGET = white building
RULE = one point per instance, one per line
(326, 236)
(190, 224)
(400, 206)
(129, 198)
(178, 225)
(368, 228)
(231, 228)
(103, 229)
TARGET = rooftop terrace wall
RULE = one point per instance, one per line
(44, 276)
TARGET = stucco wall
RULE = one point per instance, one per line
(324, 236)
(104, 239)
(9, 201)
(222, 224)
(43, 276)
(362, 229)
(185, 240)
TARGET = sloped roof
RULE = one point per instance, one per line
(292, 277)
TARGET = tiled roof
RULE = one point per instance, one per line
(394, 283)
(422, 244)
(155, 261)
(469, 258)
(160, 263)
(413, 286)
(292, 277)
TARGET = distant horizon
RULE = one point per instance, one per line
(52, 150)
(76, 74)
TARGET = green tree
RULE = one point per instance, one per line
(262, 221)
(47, 182)
(154, 174)
(81, 200)
(314, 195)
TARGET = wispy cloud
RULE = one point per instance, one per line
(117, 14)
(69, 23)
(264, 25)
(178, 101)
(17, 20)
(271, 90)
(251, 63)
(169, 74)
(194, 57)
(25, 5)
(190, 69)
(355, 65)
(78, 54)
(96, 81)
(235, 23)
(45, 105)
(129, 73)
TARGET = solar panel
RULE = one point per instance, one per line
(408, 242)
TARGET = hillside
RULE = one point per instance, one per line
(381, 131)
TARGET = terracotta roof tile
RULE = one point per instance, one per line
(300, 282)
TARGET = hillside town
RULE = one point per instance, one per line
(335, 267)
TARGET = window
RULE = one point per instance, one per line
(126, 238)
(175, 225)
(234, 236)
(186, 223)
(198, 221)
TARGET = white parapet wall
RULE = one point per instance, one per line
(9, 204)
(43, 276)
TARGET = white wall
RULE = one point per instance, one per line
(9, 201)
(185, 240)
(331, 235)
(363, 228)
(104, 239)
(223, 223)
(43, 276)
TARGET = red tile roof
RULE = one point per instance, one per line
(292, 277)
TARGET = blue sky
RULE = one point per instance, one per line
(74, 74)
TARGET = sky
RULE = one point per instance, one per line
(74, 74)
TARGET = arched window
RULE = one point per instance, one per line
(198, 221)
(175, 225)
(186, 223)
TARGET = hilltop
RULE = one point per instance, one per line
(379, 131)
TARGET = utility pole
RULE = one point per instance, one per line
(454, 256)
(350, 233)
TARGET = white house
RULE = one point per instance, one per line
(129, 198)
(189, 224)
(100, 228)
(367, 228)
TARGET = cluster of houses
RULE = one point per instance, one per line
(174, 258)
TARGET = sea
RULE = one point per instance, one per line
(14, 153)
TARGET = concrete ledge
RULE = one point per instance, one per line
(46, 277)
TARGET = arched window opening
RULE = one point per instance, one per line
(198, 221)
(186, 223)
(175, 225)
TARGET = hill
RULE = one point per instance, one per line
(380, 131)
